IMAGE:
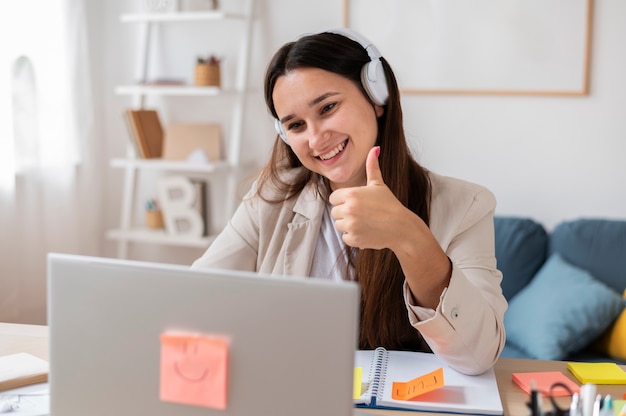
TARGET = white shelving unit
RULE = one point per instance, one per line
(128, 232)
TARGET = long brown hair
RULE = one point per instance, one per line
(384, 320)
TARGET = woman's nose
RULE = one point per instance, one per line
(318, 135)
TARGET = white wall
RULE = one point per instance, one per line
(549, 158)
(544, 157)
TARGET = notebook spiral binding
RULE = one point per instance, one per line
(378, 371)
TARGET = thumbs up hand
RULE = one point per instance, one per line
(368, 215)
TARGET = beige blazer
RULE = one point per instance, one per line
(466, 329)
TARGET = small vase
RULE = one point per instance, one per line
(154, 220)
(207, 75)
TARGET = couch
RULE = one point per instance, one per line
(566, 288)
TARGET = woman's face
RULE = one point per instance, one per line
(330, 124)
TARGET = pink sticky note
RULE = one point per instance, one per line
(194, 369)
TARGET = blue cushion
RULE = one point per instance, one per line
(521, 246)
(596, 245)
(560, 311)
(511, 351)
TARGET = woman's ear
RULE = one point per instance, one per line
(379, 110)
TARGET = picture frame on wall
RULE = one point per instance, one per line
(526, 47)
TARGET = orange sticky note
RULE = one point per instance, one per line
(194, 369)
(420, 385)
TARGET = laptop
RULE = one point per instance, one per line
(130, 337)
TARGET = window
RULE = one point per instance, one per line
(39, 110)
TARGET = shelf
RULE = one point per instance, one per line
(145, 235)
(143, 88)
(171, 165)
(179, 16)
(181, 90)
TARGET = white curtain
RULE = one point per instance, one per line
(49, 185)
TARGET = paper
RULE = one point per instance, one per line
(597, 373)
(420, 385)
(194, 369)
(544, 381)
(32, 400)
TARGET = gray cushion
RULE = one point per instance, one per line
(521, 246)
(596, 245)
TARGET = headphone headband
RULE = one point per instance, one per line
(372, 74)
(372, 51)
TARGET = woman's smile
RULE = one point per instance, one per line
(334, 152)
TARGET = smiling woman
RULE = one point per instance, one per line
(342, 198)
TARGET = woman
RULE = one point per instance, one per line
(342, 198)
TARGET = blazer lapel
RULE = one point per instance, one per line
(303, 232)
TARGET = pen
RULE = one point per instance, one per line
(597, 405)
(534, 399)
(574, 407)
(607, 406)
(623, 411)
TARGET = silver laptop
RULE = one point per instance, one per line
(138, 338)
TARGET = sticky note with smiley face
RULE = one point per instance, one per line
(194, 369)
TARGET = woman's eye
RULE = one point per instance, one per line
(294, 126)
(328, 107)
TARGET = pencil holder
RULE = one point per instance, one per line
(154, 220)
(207, 75)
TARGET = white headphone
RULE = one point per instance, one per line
(372, 74)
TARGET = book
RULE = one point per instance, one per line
(544, 380)
(389, 377)
(131, 134)
(597, 373)
(147, 132)
(22, 369)
(200, 204)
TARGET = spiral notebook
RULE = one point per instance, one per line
(459, 393)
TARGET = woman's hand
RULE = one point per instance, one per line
(367, 215)
(371, 217)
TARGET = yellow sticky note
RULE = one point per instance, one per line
(420, 385)
(597, 373)
(194, 369)
(358, 376)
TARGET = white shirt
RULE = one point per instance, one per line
(330, 259)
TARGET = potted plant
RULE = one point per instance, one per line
(207, 71)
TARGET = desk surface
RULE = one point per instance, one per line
(33, 339)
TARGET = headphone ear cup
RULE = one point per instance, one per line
(280, 130)
(372, 74)
(374, 82)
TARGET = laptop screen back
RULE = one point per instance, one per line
(129, 338)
